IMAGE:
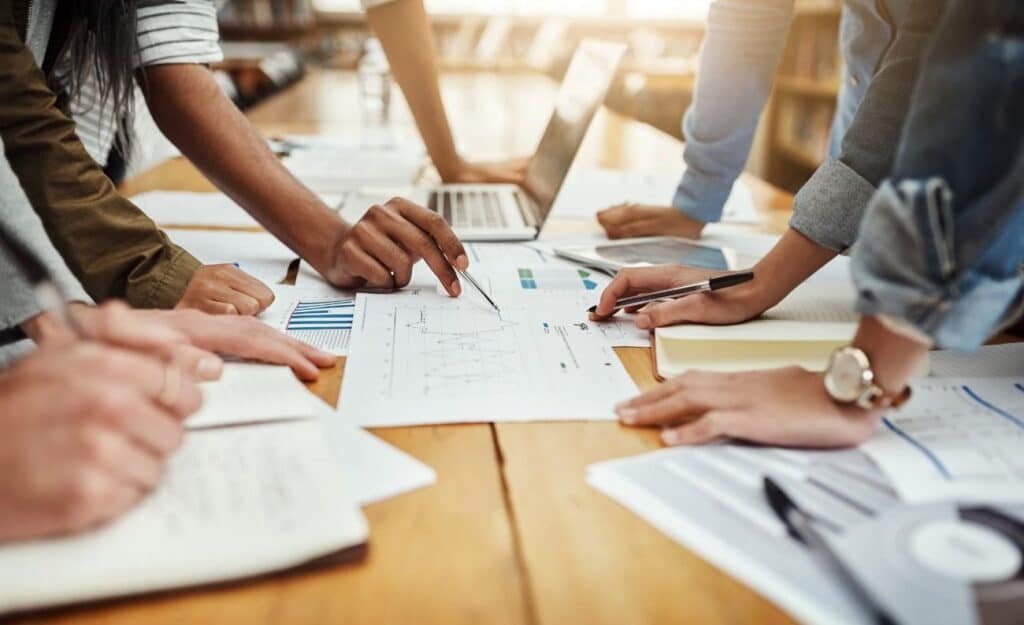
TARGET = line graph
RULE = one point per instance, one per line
(459, 348)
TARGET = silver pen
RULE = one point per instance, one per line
(476, 285)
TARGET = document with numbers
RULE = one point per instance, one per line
(418, 357)
(957, 439)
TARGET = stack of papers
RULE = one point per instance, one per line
(257, 253)
(187, 208)
(587, 191)
(338, 169)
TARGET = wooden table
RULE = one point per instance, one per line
(510, 533)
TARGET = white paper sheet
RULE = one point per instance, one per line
(320, 316)
(710, 499)
(372, 469)
(188, 208)
(587, 191)
(235, 502)
(1006, 360)
(250, 393)
(338, 169)
(419, 358)
(957, 439)
(257, 253)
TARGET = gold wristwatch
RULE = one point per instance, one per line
(849, 379)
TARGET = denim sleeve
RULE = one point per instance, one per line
(737, 62)
(828, 209)
(942, 244)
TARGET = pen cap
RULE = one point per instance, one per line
(731, 279)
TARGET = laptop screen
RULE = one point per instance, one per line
(583, 90)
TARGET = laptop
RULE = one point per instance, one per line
(507, 212)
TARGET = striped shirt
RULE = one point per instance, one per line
(169, 31)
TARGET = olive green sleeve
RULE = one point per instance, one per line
(106, 241)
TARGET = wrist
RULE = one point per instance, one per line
(450, 167)
(895, 357)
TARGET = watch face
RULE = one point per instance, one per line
(845, 377)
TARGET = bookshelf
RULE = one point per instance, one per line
(802, 105)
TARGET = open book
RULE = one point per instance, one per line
(802, 330)
(235, 502)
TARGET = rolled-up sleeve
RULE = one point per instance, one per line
(942, 243)
(737, 62)
(829, 208)
(184, 31)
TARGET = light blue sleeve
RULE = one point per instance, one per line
(737, 62)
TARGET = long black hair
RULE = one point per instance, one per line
(102, 48)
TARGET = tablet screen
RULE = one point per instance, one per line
(664, 251)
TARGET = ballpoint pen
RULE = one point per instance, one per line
(711, 284)
(800, 525)
(476, 285)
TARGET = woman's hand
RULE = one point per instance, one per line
(787, 407)
(624, 221)
(733, 305)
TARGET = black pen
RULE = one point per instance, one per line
(711, 284)
(800, 525)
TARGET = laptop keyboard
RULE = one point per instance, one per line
(468, 209)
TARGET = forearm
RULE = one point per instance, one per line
(110, 246)
(896, 356)
(404, 32)
(190, 108)
(793, 259)
(738, 60)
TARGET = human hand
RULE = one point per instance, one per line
(189, 338)
(627, 220)
(733, 305)
(86, 432)
(381, 248)
(244, 337)
(225, 290)
(787, 406)
(507, 172)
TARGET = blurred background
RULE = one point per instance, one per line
(269, 44)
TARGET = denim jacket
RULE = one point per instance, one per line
(942, 243)
(737, 63)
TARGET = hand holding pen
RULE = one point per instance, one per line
(633, 288)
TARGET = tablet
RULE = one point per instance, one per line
(649, 251)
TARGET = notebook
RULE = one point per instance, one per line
(801, 330)
(236, 501)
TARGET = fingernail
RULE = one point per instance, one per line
(462, 261)
(670, 437)
(209, 368)
(626, 415)
(456, 289)
(643, 322)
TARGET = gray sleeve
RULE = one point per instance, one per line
(829, 208)
(18, 303)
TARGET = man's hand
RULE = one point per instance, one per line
(733, 305)
(628, 220)
(244, 337)
(226, 290)
(507, 172)
(86, 433)
(788, 407)
(188, 338)
(381, 248)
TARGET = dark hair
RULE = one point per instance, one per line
(103, 45)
